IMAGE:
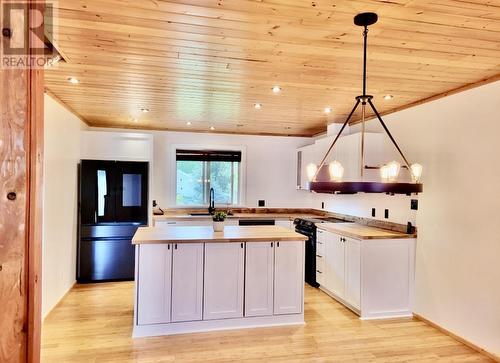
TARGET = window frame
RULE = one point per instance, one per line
(241, 177)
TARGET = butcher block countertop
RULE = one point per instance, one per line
(187, 216)
(359, 231)
(206, 234)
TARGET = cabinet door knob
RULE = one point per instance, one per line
(272, 244)
(175, 246)
(278, 243)
(241, 244)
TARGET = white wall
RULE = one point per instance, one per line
(457, 270)
(270, 166)
(61, 156)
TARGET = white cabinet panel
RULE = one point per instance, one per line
(154, 284)
(259, 277)
(353, 272)
(288, 277)
(288, 224)
(188, 222)
(224, 280)
(187, 282)
(334, 264)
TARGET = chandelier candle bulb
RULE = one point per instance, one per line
(336, 171)
(384, 173)
(416, 172)
(311, 171)
(393, 170)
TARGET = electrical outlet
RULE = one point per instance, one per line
(262, 203)
(386, 213)
(414, 204)
(373, 212)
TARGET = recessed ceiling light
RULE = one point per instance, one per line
(212, 128)
(388, 97)
(189, 123)
(257, 106)
(73, 80)
(328, 110)
(145, 110)
(276, 89)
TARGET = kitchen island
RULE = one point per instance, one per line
(192, 279)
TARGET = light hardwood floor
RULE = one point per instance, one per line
(93, 323)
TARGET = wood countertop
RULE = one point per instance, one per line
(359, 231)
(184, 216)
(192, 234)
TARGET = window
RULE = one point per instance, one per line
(199, 170)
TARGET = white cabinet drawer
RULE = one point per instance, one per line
(320, 248)
(320, 277)
(321, 236)
(320, 263)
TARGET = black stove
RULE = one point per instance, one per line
(307, 227)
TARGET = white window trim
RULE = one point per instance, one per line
(241, 180)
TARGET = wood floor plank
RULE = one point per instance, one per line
(93, 324)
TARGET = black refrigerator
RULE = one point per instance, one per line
(113, 203)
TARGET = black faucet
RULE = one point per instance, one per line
(211, 201)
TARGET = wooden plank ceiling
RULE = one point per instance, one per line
(207, 62)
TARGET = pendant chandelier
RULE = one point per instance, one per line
(389, 172)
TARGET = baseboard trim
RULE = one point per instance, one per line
(477, 348)
(142, 331)
(59, 302)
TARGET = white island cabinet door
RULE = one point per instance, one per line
(259, 278)
(224, 280)
(288, 277)
(187, 281)
(353, 272)
(335, 264)
(154, 284)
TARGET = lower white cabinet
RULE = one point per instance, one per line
(353, 272)
(154, 284)
(188, 287)
(179, 222)
(224, 280)
(187, 281)
(288, 224)
(373, 277)
(288, 277)
(334, 264)
(259, 278)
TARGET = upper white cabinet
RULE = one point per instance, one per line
(187, 281)
(224, 280)
(288, 277)
(259, 278)
(373, 277)
(154, 283)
